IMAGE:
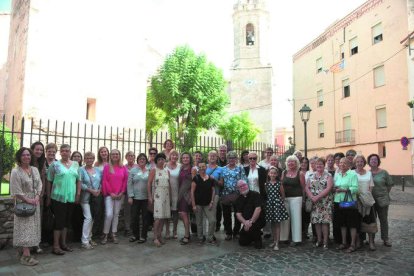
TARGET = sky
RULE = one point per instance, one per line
(207, 27)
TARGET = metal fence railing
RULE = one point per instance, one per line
(86, 136)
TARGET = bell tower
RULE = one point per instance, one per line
(250, 86)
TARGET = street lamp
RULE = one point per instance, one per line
(304, 115)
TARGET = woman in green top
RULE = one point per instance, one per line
(346, 180)
(381, 193)
(63, 190)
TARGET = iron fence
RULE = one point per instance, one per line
(87, 136)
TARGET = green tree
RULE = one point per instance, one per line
(190, 91)
(8, 147)
(154, 116)
(240, 129)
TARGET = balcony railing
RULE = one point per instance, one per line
(345, 136)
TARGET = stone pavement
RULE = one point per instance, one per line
(229, 259)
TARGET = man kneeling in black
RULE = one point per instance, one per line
(249, 213)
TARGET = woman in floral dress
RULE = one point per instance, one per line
(26, 186)
(318, 188)
(159, 191)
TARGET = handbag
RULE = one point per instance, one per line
(366, 199)
(229, 198)
(345, 204)
(369, 227)
(23, 209)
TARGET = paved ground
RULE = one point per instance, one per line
(229, 259)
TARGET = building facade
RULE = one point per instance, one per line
(250, 86)
(92, 69)
(355, 78)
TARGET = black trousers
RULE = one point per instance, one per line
(227, 221)
(97, 212)
(253, 235)
(139, 208)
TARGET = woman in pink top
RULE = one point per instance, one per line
(114, 183)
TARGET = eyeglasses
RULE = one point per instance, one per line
(252, 158)
(152, 153)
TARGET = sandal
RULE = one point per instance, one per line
(133, 239)
(175, 236)
(142, 240)
(58, 251)
(351, 249)
(387, 243)
(157, 243)
(66, 248)
(28, 260)
(185, 240)
(341, 247)
(372, 247)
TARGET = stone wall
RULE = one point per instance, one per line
(6, 222)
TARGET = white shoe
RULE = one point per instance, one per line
(87, 246)
(276, 247)
(272, 244)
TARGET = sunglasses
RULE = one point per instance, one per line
(252, 158)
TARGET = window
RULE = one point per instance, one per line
(381, 117)
(249, 34)
(377, 33)
(318, 65)
(382, 150)
(321, 129)
(342, 51)
(379, 76)
(346, 121)
(90, 109)
(353, 46)
(320, 97)
(346, 88)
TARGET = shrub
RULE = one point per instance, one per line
(8, 147)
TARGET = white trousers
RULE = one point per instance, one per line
(87, 223)
(112, 208)
(294, 208)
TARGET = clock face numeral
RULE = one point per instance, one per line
(250, 82)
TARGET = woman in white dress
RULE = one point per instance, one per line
(174, 168)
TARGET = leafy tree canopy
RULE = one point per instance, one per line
(190, 91)
(8, 147)
(154, 116)
(240, 129)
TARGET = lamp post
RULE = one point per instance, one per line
(304, 115)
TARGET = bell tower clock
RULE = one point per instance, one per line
(250, 86)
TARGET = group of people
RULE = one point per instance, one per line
(156, 190)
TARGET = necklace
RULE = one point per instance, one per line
(28, 171)
(290, 174)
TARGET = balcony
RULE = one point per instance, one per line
(345, 136)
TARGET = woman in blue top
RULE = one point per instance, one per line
(230, 175)
(91, 180)
(346, 180)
